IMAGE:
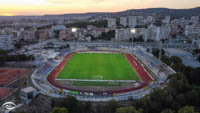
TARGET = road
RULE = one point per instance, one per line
(146, 44)
(109, 43)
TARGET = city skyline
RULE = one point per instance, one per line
(41, 7)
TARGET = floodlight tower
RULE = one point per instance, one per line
(133, 31)
(74, 30)
(160, 54)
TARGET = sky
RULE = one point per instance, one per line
(40, 7)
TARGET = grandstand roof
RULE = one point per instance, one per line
(53, 55)
(177, 52)
(185, 56)
(28, 89)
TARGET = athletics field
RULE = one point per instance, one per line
(98, 66)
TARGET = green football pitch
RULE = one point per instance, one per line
(98, 66)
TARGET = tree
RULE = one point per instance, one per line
(130, 109)
(187, 72)
(88, 107)
(18, 45)
(181, 99)
(198, 58)
(156, 52)
(167, 111)
(2, 59)
(158, 22)
(20, 111)
(3, 56)
(176, 60)
(111, 106)
(159, 100)
(59, 110)
(84, 107)
(179, 83)
(71, 103)
(100, 108)
(178, 67)
(192, 97)
(187, 109)
(2, 52)
(139, 39)
(83, 24)
(196, 51)
(195, 78)
(108, 35)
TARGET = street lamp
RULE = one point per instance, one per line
(73, 31)
(133, 31)
(159, 64)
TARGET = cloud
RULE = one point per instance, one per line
(75, 1)
(60, 1)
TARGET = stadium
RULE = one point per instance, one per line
(96, 73)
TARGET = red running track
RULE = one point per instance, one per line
(138, 68)
(146, 79)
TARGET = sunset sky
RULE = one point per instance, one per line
(40, 7)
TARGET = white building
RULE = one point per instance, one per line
(141, 21)
(132, 21)
(60, 22)
(167, 20)
(120, 34)
(146, 35)
(28, 94)
(152, 32)
(123, 34)
(193, 32)
(150, 19)
(6, 42)
(123, 21)
(195, 19)
(112, 22)
(28, 35)
(165, 32)
(51, 33)
(157, 33)
(142, 32)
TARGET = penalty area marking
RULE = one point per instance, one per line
(98, 77)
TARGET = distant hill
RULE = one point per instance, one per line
(165, 11)
(176, 13)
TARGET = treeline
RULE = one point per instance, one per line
(181, 90)
(72, 105)
(149, 104)
(139, 39)
(4, 57)
(191, 74)
(197, 52)
(107, 35)
(158, 101)
(83, 24)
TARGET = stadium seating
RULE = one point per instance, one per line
(47, 70)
